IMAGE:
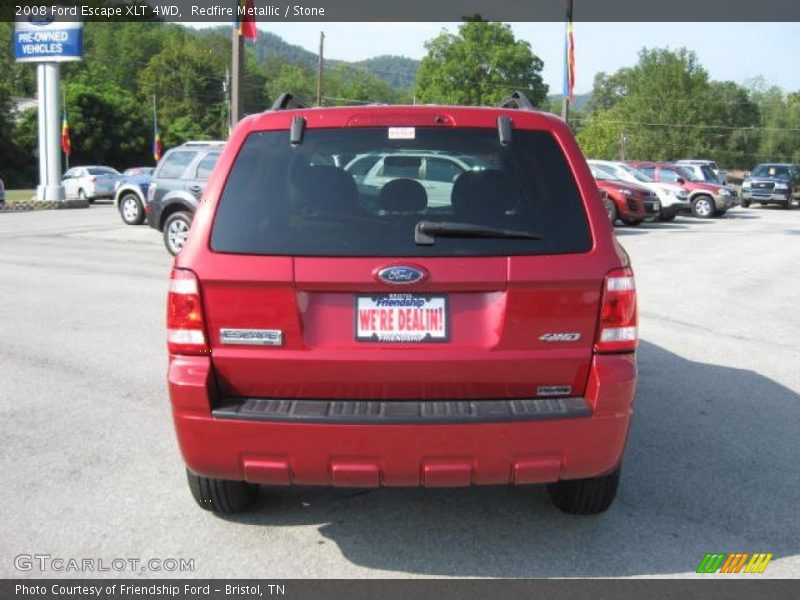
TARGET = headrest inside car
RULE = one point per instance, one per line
(403, 195)
(327, 189)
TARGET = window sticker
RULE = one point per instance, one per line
(402, 133)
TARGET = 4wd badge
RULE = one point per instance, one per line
(560, 337)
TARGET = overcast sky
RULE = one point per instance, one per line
(729, 51)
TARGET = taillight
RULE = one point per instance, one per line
(93, 180)
(618, 331)
(185, 323)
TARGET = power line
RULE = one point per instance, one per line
(687, 126)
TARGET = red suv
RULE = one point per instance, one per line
(322, 332)
(628, 202)
(707, 199)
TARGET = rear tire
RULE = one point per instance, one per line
(585, 496)
(220, 495)
(176, 230)
(82, 196)
(632, 222)
(130, 209)
(745, 203)
(667, 217)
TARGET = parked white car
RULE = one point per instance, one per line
(674, 199)
(720, 175)
(436, 172)
(90, 183)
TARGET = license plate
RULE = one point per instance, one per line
(401, 318)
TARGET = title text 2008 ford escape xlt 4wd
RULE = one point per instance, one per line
(322, 333)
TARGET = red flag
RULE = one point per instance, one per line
(66, 144)
(158, 147)
(247, 19)
(569, 61)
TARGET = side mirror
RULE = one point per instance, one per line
(681, 180)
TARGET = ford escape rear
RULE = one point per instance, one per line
(323, 333)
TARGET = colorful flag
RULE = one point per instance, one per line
(66, 144)
(247, 19)
(569, 60)
(158, 147)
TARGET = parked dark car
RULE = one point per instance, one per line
(130, 194)
(175, 190)
(2, 192)
(772, 183)
(317, 337)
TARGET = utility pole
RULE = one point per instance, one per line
(565, 97)
(237, 66)
(226, 90)
(623, 138)
(319, 68)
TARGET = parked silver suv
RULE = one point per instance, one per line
(722, 176)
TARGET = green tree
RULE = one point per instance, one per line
(608, 90)
(344, 84)
(187, 79)
(480, 65)
(780, 123)
(108, 125)
(296, 79)
(667, 108)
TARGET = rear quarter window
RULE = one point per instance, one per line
(176, 163)
(282, 200)
(206, 165)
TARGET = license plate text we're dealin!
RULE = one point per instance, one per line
(401, 318)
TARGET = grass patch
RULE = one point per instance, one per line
(19, 195)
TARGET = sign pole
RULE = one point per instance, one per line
(48, 42)
(49, 151)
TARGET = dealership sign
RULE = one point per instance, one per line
(46, 40)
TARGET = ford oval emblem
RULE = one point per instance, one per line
(41, 22)
(401, 275)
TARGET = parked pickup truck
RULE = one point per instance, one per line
(772, 183)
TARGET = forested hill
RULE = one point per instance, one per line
(398, 71)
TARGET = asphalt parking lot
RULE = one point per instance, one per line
(91, 468)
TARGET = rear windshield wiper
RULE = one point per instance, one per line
(425, 232)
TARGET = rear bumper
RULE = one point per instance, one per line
(390, 454)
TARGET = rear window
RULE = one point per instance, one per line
(101, 171)
(175, 164)
(284, 200)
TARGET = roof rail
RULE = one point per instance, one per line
(516, 100)
(287, 101)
